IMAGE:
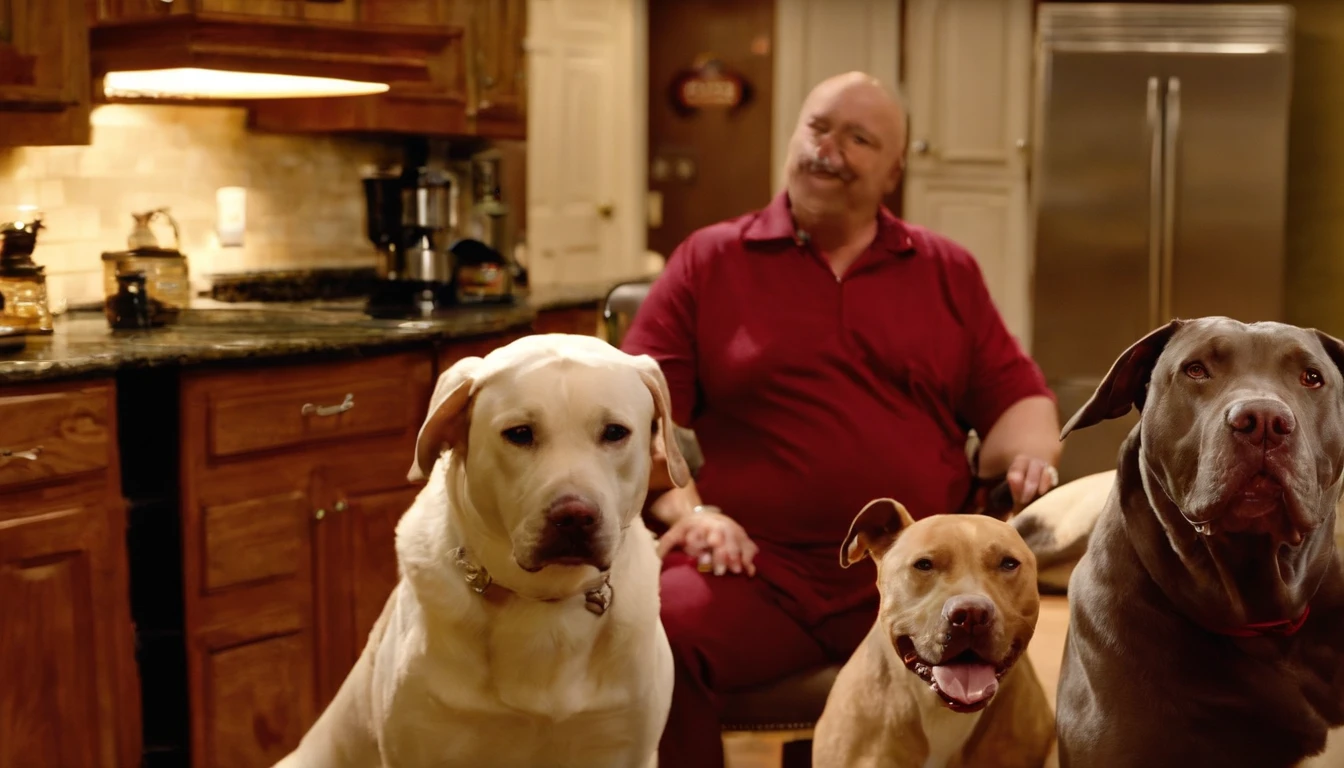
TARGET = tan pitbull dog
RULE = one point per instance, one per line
(941, 679)
(1207, 614)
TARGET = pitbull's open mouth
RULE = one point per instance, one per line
(965, 682)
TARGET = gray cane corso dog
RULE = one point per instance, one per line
(1207, 616)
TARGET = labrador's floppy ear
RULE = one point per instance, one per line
(1126, 384)
(662, 404)
(874, 529)
(448, 418)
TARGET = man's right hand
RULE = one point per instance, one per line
(712, 538)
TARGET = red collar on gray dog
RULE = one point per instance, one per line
(1283, 627)
(596, 600)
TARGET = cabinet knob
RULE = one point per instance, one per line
(920, 147)
(606, 210)
(1021, 145)
(341, 506)
(319, 514)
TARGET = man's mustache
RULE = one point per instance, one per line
(818, 164)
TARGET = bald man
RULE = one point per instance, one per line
(825, 353)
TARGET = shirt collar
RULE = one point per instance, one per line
(775, 222)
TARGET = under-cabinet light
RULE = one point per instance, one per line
(192, 83)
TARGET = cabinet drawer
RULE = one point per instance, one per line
(47, 436)
(279, 408)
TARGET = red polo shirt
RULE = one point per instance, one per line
(811, 396)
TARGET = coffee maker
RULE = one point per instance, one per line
(411, 222)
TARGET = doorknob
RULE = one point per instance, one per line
(606, 210)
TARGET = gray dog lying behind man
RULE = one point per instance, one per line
(1207, 615)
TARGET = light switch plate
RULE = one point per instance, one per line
(230, 216)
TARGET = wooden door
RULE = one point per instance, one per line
(708, 164)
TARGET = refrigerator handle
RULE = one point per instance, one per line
(1171, 136)
(1155, 207)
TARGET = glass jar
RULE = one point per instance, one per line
(167, 279)
(23, 283)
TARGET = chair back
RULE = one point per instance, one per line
(619, 309)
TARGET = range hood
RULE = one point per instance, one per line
(228, 57)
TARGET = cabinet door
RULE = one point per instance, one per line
(66, 632)
(355, 560)
(583, 321)
(44, 72)
(968, 76)
(247, 572)
(499, 30)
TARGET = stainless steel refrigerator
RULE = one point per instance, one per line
(1158, 184)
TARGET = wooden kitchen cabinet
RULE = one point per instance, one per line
(70, 694)
(477, 85)
(292, 481)
(585, 320)
(44, 73)
(325, 10)
(497, 68)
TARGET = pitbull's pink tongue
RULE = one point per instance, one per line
(966, 683)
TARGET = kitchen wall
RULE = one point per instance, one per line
(304, 199)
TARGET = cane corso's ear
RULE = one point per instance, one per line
(1333, 347)
(874, 530)
(1126, 384)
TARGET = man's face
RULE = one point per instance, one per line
(845, 153)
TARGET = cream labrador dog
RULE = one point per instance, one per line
(941, 679)
(524, 630)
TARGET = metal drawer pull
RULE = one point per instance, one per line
(30, 455)
(329, 410)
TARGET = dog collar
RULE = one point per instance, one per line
(597, 600)
(1283, 627)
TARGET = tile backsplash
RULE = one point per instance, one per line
(304, 204)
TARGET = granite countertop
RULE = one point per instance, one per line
(211, 331)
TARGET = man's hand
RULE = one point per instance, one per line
(1030, 477)
(715, 540)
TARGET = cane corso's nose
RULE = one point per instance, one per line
(1262, 422)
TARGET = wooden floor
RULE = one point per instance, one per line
(1046, 652)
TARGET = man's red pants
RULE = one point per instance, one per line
(728, 633)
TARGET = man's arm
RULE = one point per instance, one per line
(1024, 445)
(1007, 402)
(664, 329)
